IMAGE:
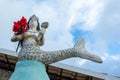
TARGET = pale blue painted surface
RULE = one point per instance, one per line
(29, 70)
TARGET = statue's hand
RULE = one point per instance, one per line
(44, 25)
(17, 38)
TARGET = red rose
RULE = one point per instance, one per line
(20, 26)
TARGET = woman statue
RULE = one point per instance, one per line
(32, 60)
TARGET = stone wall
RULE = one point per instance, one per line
(4, 74)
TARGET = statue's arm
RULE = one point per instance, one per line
(42, 31)
(40, 37)
(17, 38)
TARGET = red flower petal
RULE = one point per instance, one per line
(22, 24)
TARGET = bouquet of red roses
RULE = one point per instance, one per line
(20, 26)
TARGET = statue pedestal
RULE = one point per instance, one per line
(29, 70)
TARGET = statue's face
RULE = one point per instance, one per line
(33, 23)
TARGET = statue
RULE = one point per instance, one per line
(32, 60)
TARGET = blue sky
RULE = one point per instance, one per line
(97, 21)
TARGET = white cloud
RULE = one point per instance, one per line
(115, 57)
(106, 32)
(108, 26)
(86, 12)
